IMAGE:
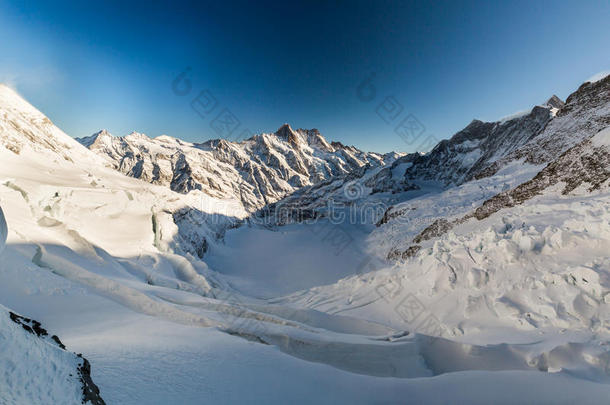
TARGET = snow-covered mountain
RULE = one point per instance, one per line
(490, 253)
(525, 143)
(466, 155)
(562, 152)
(256, 171)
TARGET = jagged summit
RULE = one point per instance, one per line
(285, 131)
(555, 102)
(100, 137)
(256, 171)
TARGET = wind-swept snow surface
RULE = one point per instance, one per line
(35, 368)
(185, 297)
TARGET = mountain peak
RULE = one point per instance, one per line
(555, 102)
(134, 135)
(102, 133)
(285, 131)
(101, 137)
(316, 140)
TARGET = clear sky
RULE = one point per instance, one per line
(111, 65)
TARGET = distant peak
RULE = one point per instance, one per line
(101, 137)
(475, 123)
(103, 132)
(315, 138)
(285, 131)
(137, 135)
(167, 139)
(555, 102)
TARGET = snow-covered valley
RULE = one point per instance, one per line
(334, 276)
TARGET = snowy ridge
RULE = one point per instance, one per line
(585, 113)
(256, 172)
(479, 151)
(452, 162)
(24, 129)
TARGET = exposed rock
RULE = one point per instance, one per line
(555, 102)
(90, 391)
(586, 164)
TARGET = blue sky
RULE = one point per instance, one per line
(112, 64)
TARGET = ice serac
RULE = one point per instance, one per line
(3, 231)
(256, 171)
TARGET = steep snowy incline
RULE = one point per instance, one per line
(23, 127)
(256, 171)
(35, 367)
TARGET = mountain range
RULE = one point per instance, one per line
(174, 265)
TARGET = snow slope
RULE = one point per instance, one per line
(35, 367)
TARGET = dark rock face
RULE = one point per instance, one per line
(555, 102)
(91, 393)
(438, 228)
(404, 255)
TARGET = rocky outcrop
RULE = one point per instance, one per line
(43, 351)
(587, 164)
